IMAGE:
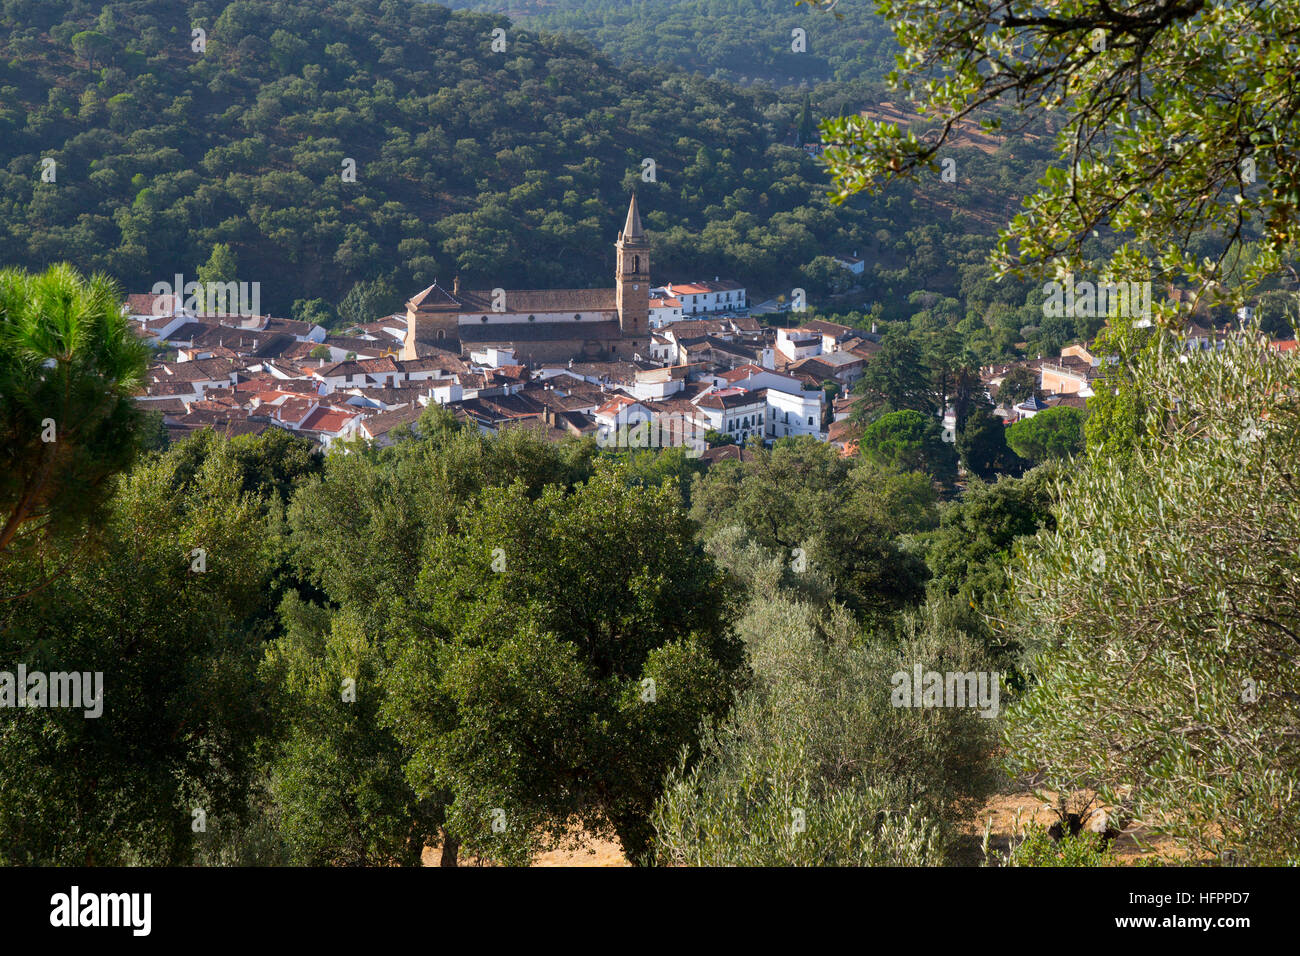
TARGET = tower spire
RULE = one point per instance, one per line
(632, 280)
(632, 228)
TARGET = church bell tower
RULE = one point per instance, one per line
(632, 282)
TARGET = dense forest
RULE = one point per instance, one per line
(506, 168)
(746, 41)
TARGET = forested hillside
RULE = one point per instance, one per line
(739, 40)
(503, 167)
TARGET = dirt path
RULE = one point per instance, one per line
(590, 852)
(1001, 809)
(1133, 844)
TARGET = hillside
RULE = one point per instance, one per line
(505, 168)
(499, 166)
(745, 41)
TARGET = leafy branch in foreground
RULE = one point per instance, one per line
(1174, 118)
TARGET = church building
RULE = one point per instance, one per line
(552, 325)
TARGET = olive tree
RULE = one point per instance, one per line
(1162, 610)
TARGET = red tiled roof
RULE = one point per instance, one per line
(328, 420)
(742, 372)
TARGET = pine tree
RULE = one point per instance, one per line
(807, 127)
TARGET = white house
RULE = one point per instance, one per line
(328, 425)
(735, 412)
(622, 411)
(793, 413)
(444, 393)
(660, 383)
(797, 344)
(720, 295)
(751, 378)
(356, 373)
(662, 349)
(493, 357)
(852, 263)
(664, 310)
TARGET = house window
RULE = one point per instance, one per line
(484, 319)
(532, 318)
(578, 316)
(809, 419)
(442, 333)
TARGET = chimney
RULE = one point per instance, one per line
(455, 286)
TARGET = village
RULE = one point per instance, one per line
(698, 368)
(717, 370)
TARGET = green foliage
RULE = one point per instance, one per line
(337, 776)
(1117, 410)
(1051, 433)
(222, 266)
(368, 301)
(1161, 622)
(1036, 848)
(675, 467)
(807, 132)
(182, 707)
(1018, 385)
(68, 365)
(910, 441)
(982, 445)
(505, 169)
(815, 741)
(509, 604)
(315, 311)
(845, 517)
(763, 807)
(1170, 213)
(896, 379)
(540, 627)
(269, 465)
(824, 276)
(977, 534)
(746, 41)
(91, 46)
